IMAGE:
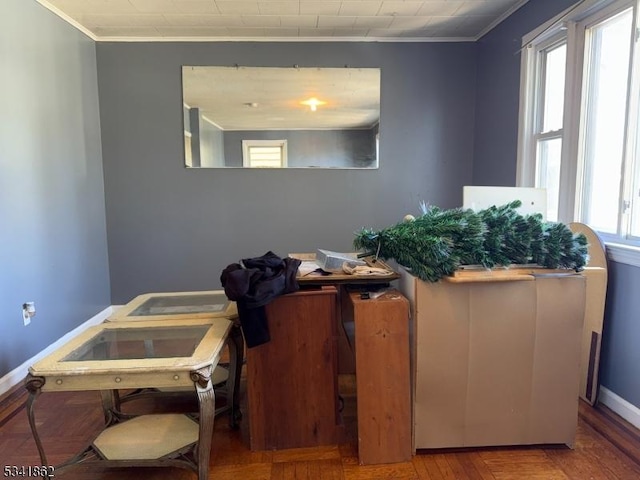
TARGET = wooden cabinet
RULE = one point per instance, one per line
(381, 343)
(292, 382)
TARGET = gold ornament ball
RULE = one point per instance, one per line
(408, 218)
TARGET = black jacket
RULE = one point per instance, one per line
(252, 284)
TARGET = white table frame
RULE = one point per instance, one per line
(53, 374)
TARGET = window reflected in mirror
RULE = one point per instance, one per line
(269, 117)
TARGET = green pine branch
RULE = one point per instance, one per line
(439, 241)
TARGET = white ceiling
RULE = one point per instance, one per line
(164, 20)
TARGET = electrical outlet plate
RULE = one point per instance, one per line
(28, 311)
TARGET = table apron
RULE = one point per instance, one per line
(66, 383)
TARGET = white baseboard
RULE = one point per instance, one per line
(18, 374)
(619, 405)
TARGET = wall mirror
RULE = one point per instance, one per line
(270, 117)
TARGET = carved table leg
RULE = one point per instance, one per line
(110, 405)
(34, 385)
(207, 406)
(236, 353)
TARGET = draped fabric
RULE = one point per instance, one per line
(252, 284)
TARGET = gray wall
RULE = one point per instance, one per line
(172, 228)
(498, 97)
(311, 148)
(496, 134)
(52, 215)
(620, 367)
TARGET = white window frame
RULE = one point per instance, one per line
(535, 104)
(248, 144)
(597, 18)
(570, 24)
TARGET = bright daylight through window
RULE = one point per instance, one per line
(580, 115)
(264, 153)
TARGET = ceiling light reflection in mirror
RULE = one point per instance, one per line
(298, 117)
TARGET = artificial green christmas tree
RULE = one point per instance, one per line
(439, 241)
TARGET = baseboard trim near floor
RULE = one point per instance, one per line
(619, 405)
(17, 375)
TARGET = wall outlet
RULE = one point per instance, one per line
(28, 311)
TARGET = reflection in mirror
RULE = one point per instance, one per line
(268, 117)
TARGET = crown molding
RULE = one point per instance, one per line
(68, 19)
(500, 19)
(286, 39)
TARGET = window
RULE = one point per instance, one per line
(549, 94)
(264, 153)
(579, 117)
(607, 67)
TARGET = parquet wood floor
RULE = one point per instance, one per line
(606, 448)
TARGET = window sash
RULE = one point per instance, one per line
(532, 175)
(528, 124)
(544, 88)
(633, 203)
(548, 163)
(573, 23)
(264, 153)
(632, 192)
(605, 107)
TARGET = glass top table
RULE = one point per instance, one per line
(133, 355)
(140, 343)
(176, 305)
(133, 352)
